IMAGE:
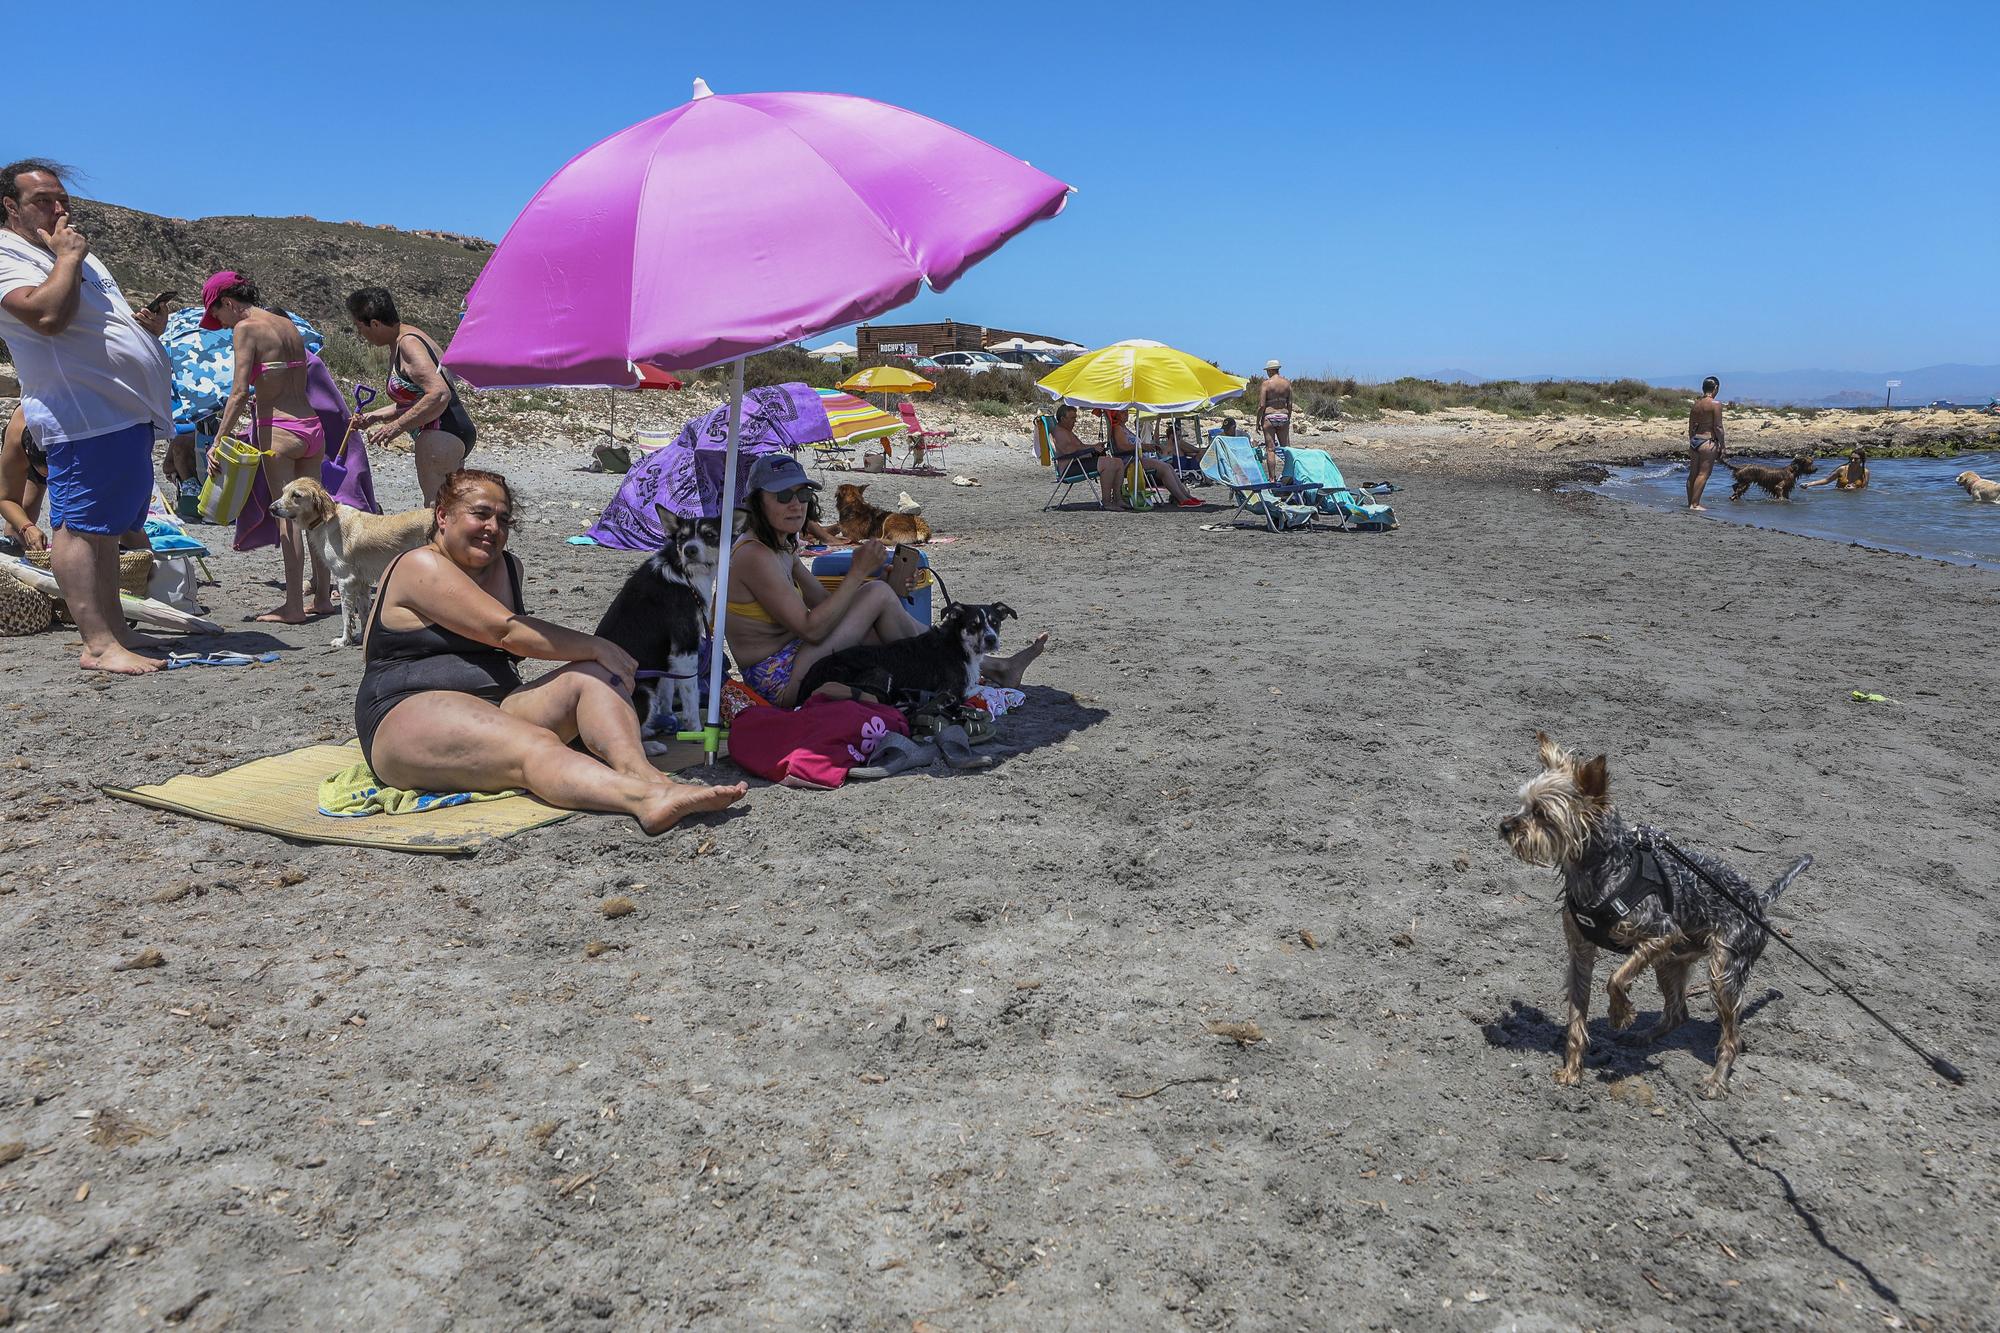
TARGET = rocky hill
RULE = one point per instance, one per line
(301, 263)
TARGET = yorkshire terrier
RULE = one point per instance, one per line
(1622, 892)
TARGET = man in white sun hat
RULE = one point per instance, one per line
(1274, 417)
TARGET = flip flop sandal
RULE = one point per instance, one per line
(957, 750)
(895, 753)
(175, 661)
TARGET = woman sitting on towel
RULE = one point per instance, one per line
(782, 619)
(442, 708)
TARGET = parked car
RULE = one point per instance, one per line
(972, 363)
(1039, 362)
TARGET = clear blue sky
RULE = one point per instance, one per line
(1592, 189)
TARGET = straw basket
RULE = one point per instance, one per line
(23, 610)
(135, 570)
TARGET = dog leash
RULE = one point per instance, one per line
(1944, 1068)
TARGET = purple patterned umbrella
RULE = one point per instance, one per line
(686, 477)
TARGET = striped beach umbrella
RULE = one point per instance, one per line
(854, 421)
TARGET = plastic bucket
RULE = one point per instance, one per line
(225, 492)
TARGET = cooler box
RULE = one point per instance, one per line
(832, 567)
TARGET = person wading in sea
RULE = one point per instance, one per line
(1704, 441)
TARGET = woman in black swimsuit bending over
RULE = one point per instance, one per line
(442, 708)
(424, 402)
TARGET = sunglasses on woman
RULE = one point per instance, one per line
(791, 494)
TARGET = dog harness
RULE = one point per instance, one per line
(1598, 922)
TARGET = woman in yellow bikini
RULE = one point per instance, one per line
(782, 619)
(271, 357)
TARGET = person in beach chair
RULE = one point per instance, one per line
(1332, 495)
(1077, 464)
(1236, 463)
(1161, 472)
(1175, 443)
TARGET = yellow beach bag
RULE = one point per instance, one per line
(225, 492)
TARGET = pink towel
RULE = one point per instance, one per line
(813, 746)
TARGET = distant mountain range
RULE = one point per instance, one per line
(1851, 388)
(1963, 384)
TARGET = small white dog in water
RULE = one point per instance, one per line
(355, 547)
(1979, 488)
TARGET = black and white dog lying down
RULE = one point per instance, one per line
(658, 617)
(944, 660)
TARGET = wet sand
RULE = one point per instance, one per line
(932, 1052)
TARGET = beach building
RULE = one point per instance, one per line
(879, 340)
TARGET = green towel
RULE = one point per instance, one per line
(355, 792)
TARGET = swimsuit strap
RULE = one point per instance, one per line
(382, 594)
(375, 611)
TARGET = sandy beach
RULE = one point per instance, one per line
(931, 1053)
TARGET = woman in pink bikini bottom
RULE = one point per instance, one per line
(271, 359)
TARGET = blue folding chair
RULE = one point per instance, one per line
(1076, 469)
(1234, 461)
(1332, 495)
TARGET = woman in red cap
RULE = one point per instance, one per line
(271, 358)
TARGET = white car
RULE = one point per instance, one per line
(972, 363)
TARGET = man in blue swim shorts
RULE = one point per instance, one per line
(95, 387)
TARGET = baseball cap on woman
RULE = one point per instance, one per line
(211, 292)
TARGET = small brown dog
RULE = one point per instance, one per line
(1979, 488)
(1776, 480)
(860, 520)
(1849, 476)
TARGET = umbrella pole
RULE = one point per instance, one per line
(711, 734)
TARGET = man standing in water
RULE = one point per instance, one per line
(1704, 441)
(1274, 417)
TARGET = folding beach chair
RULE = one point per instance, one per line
(923, 443)
(1236, 463)
(1182, 454)
(1076, 469)
(831, 456)
(1332, 495)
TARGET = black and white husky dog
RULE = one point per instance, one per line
(659, 615)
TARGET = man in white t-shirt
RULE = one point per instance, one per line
(95, 386)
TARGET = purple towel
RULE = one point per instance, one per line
(345, 477)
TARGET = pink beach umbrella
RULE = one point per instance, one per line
(732, 225)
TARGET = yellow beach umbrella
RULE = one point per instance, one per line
(886, 379)
(1140, 374)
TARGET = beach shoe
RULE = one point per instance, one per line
(1192, 503)
(956, 747)
(895, 753)
(930, 718)
(175, 661)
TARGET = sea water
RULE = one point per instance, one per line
(1911, 505)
